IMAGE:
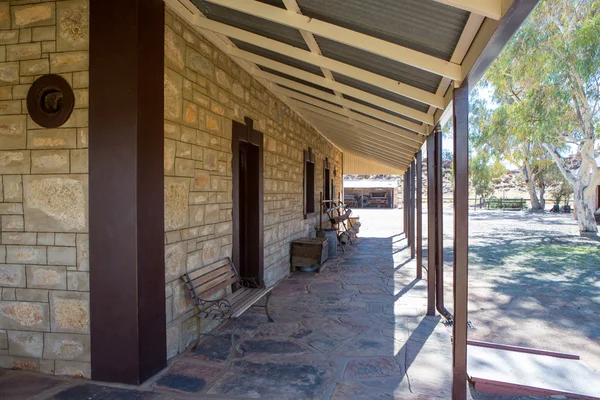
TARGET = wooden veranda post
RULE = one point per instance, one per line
(431, 224)
(419, 199)
(461, 241)
(405, 206)
(412, 208)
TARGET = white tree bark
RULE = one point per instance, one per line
(584, 181)
(529, 178)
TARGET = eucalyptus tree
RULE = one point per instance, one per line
(547, 86)
(500, 128)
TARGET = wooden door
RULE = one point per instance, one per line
(248, 202)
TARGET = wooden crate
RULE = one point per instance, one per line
(307, 252)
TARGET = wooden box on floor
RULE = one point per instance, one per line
(309, 252)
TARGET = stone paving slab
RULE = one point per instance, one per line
(356, 330)
(274, 379)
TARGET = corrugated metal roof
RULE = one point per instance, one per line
(396, 127)
(423, 25)
(365, 87)
(293, 78)
(277, 57)
(333, 104)
(381, 109)
(379, 65)
(251, 23)
(276, 3)
(360, 165)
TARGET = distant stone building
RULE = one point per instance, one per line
(371, 193)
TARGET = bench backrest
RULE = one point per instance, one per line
(210, 279)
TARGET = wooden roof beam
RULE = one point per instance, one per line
(332, 84)
(342, 118)
(310, 41)
(321, 61)
(404, 135)
(186, 10)
(401, 122)
(360, 136)
(486, 8)
(346, 36)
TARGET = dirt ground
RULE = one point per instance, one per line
(533, 281)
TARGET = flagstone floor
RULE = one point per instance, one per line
(357, 330)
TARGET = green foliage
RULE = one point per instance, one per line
(538, 75)
(545, 90)
(562, 189)
(482, 172)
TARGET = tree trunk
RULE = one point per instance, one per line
(584, 209)
(530, 182)
(542, 199)
(584, 184)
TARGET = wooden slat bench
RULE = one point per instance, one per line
(206, 282)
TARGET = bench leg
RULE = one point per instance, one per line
(236, 350)
(267, 308)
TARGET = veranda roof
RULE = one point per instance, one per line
(373, 76)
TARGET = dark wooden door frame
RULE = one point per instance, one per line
(327, 181)
(247, 133)
(309, 182)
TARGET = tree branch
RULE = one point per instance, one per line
(560, 162)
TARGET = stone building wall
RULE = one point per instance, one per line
(44, 278)
(204, 92)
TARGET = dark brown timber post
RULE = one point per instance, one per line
(419, 199)
(439, 228)
(412, 209)
(405, 205)
(461, 241)
(126, 189)
(408, 210)
(431, 225)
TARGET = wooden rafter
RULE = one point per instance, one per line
(376, 158)
(359, 148)
(349, 135)
(186, 10)
(368, 128)
(486, 8)
(331, 109)
(348, 132)
(401, 122)
(321, 61)
(346, 36)
(330, 84)
(366, 152)
(464, 42)
(311, 42)
(371, 159)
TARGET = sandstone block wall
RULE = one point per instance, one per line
(44, 269)
(204, 92)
